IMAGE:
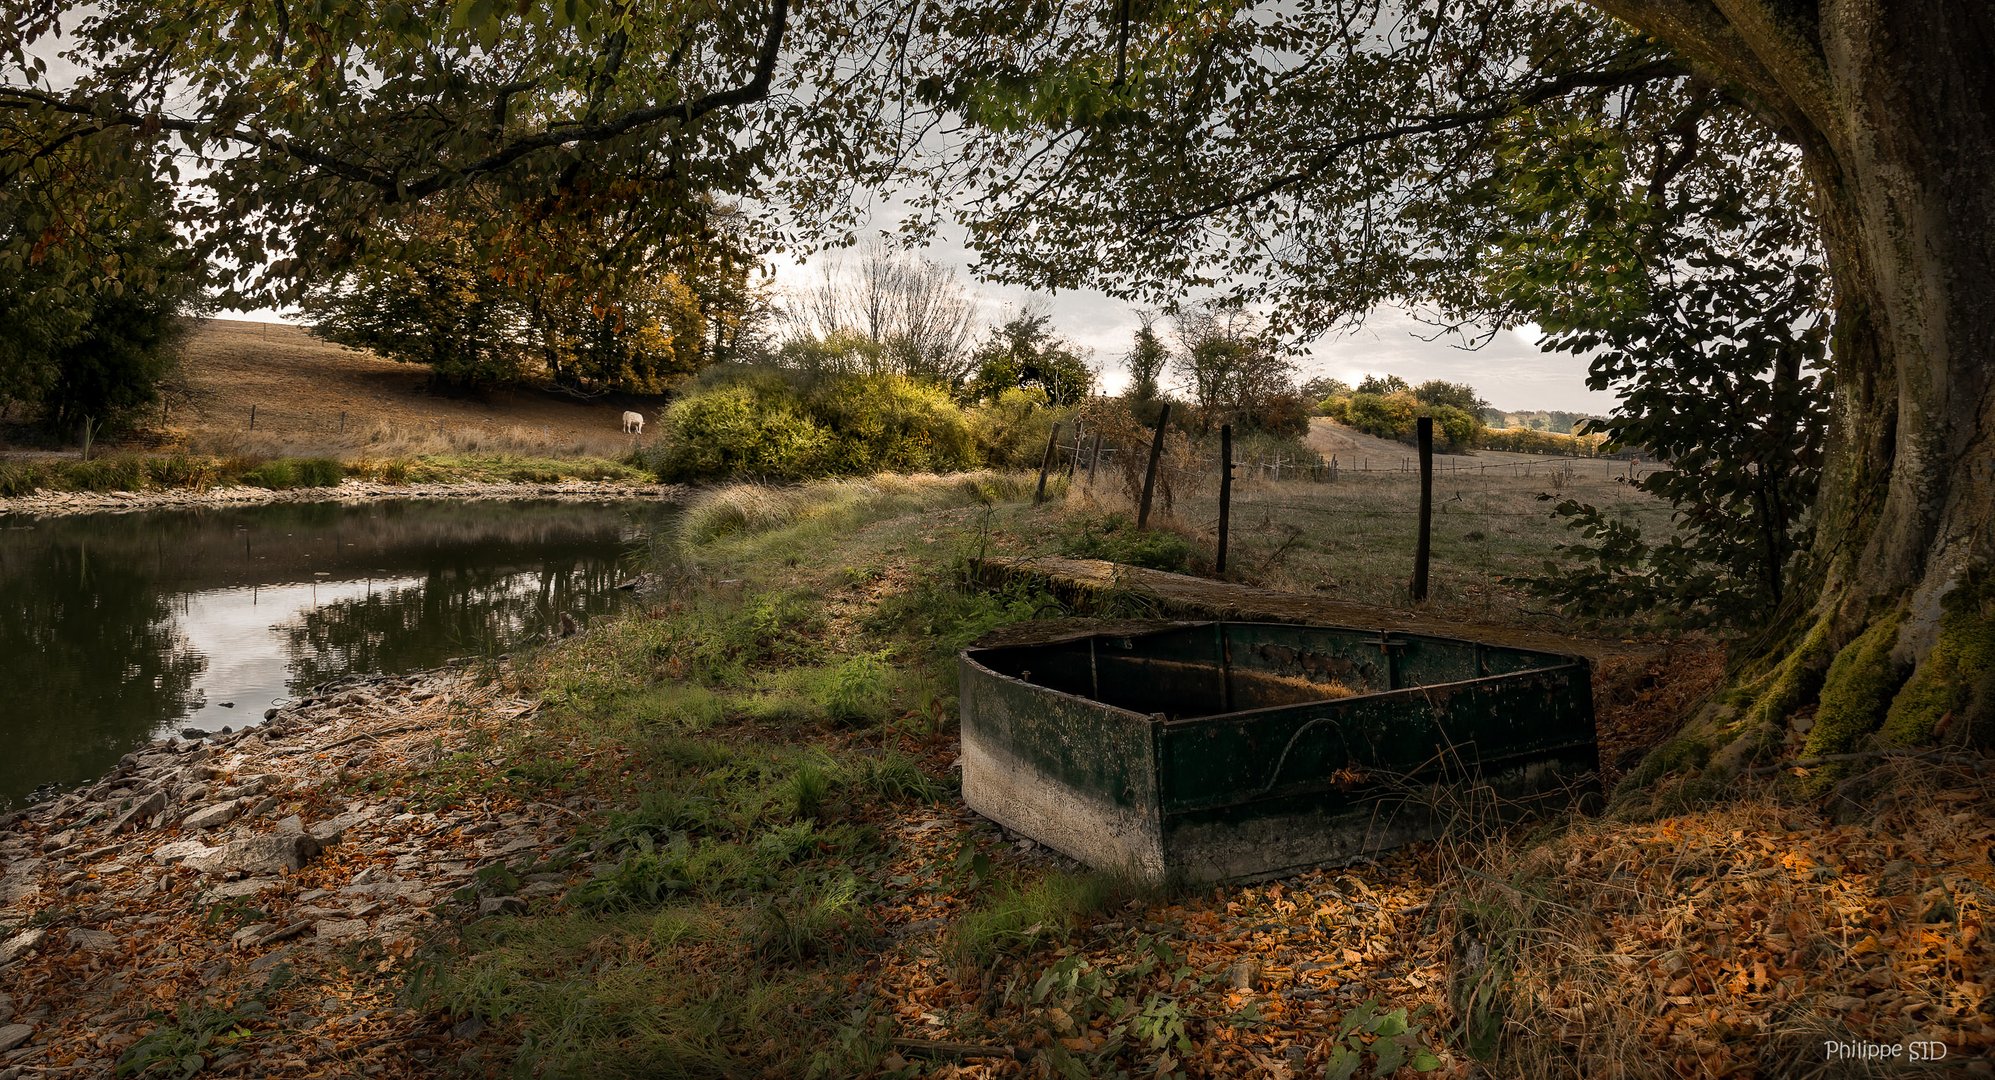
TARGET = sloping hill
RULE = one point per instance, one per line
(299, 387)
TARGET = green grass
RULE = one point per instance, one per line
(1114, 537)
(1019, 919)
(753, 744)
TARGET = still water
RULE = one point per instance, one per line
(118, 628)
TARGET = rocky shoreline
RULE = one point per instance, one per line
(54, 503)
(278, 878)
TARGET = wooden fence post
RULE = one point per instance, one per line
(1074, 462)
(1045, 463)
(1150, 473)
(1225, 492)
(1094, 458)
(342, 421)
(1424, 428)
(252, 418)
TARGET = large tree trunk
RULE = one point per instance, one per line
(1891, 103)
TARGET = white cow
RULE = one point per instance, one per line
(633, 423)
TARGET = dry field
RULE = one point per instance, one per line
(1354, 537)
(300, 387)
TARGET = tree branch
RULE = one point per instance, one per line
(1773, 63)
(1330, 155)
(685, 113)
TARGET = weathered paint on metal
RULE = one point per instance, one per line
(1221, 750)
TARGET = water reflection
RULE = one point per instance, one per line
(115, 628)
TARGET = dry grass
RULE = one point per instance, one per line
(747, 509)
(1355, 537)
(300, 387)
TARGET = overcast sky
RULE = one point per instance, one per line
(1510, 371)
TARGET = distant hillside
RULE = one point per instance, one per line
(1557, 421)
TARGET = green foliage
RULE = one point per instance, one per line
(809, 921)
(942, 615)
(1382, 385)
(1115, 538)
(1025, 354)
(781, 426)
(1145, 360)
(433, 304)
(1459, 396)
(1237, 373)
(856, 691)
(1519, 440)
(129, 472)
(1390, 1037)
(1708, 311)
(1319, 387)
(1386, 416)
(187, 1040)
(295, 473)
(482, 311)
(1393, 415)
(95, 283)
(1556, 421)
(1011, 429)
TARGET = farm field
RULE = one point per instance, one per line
(299, 387)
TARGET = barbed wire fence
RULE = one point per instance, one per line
(1270, 490)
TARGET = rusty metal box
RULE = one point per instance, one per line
(1233, 750)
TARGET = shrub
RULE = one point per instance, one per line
(1388, 416)
(754, 428)
(1393, 416)
(1011, 430)
(180, 471)
(107, 474)
(1528, 441)
(889, 423)
(796, 426)
(22, 478)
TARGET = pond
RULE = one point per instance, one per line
(116, 629)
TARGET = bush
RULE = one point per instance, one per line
(1393, 416)
(279, 474)
(1012, 429)
(790, 426)
(1528, 441)
(1388, 416)
(107, 474)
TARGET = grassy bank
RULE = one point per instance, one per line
(775, 876)
(185, 472)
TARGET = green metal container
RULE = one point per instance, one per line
(1228, 750)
